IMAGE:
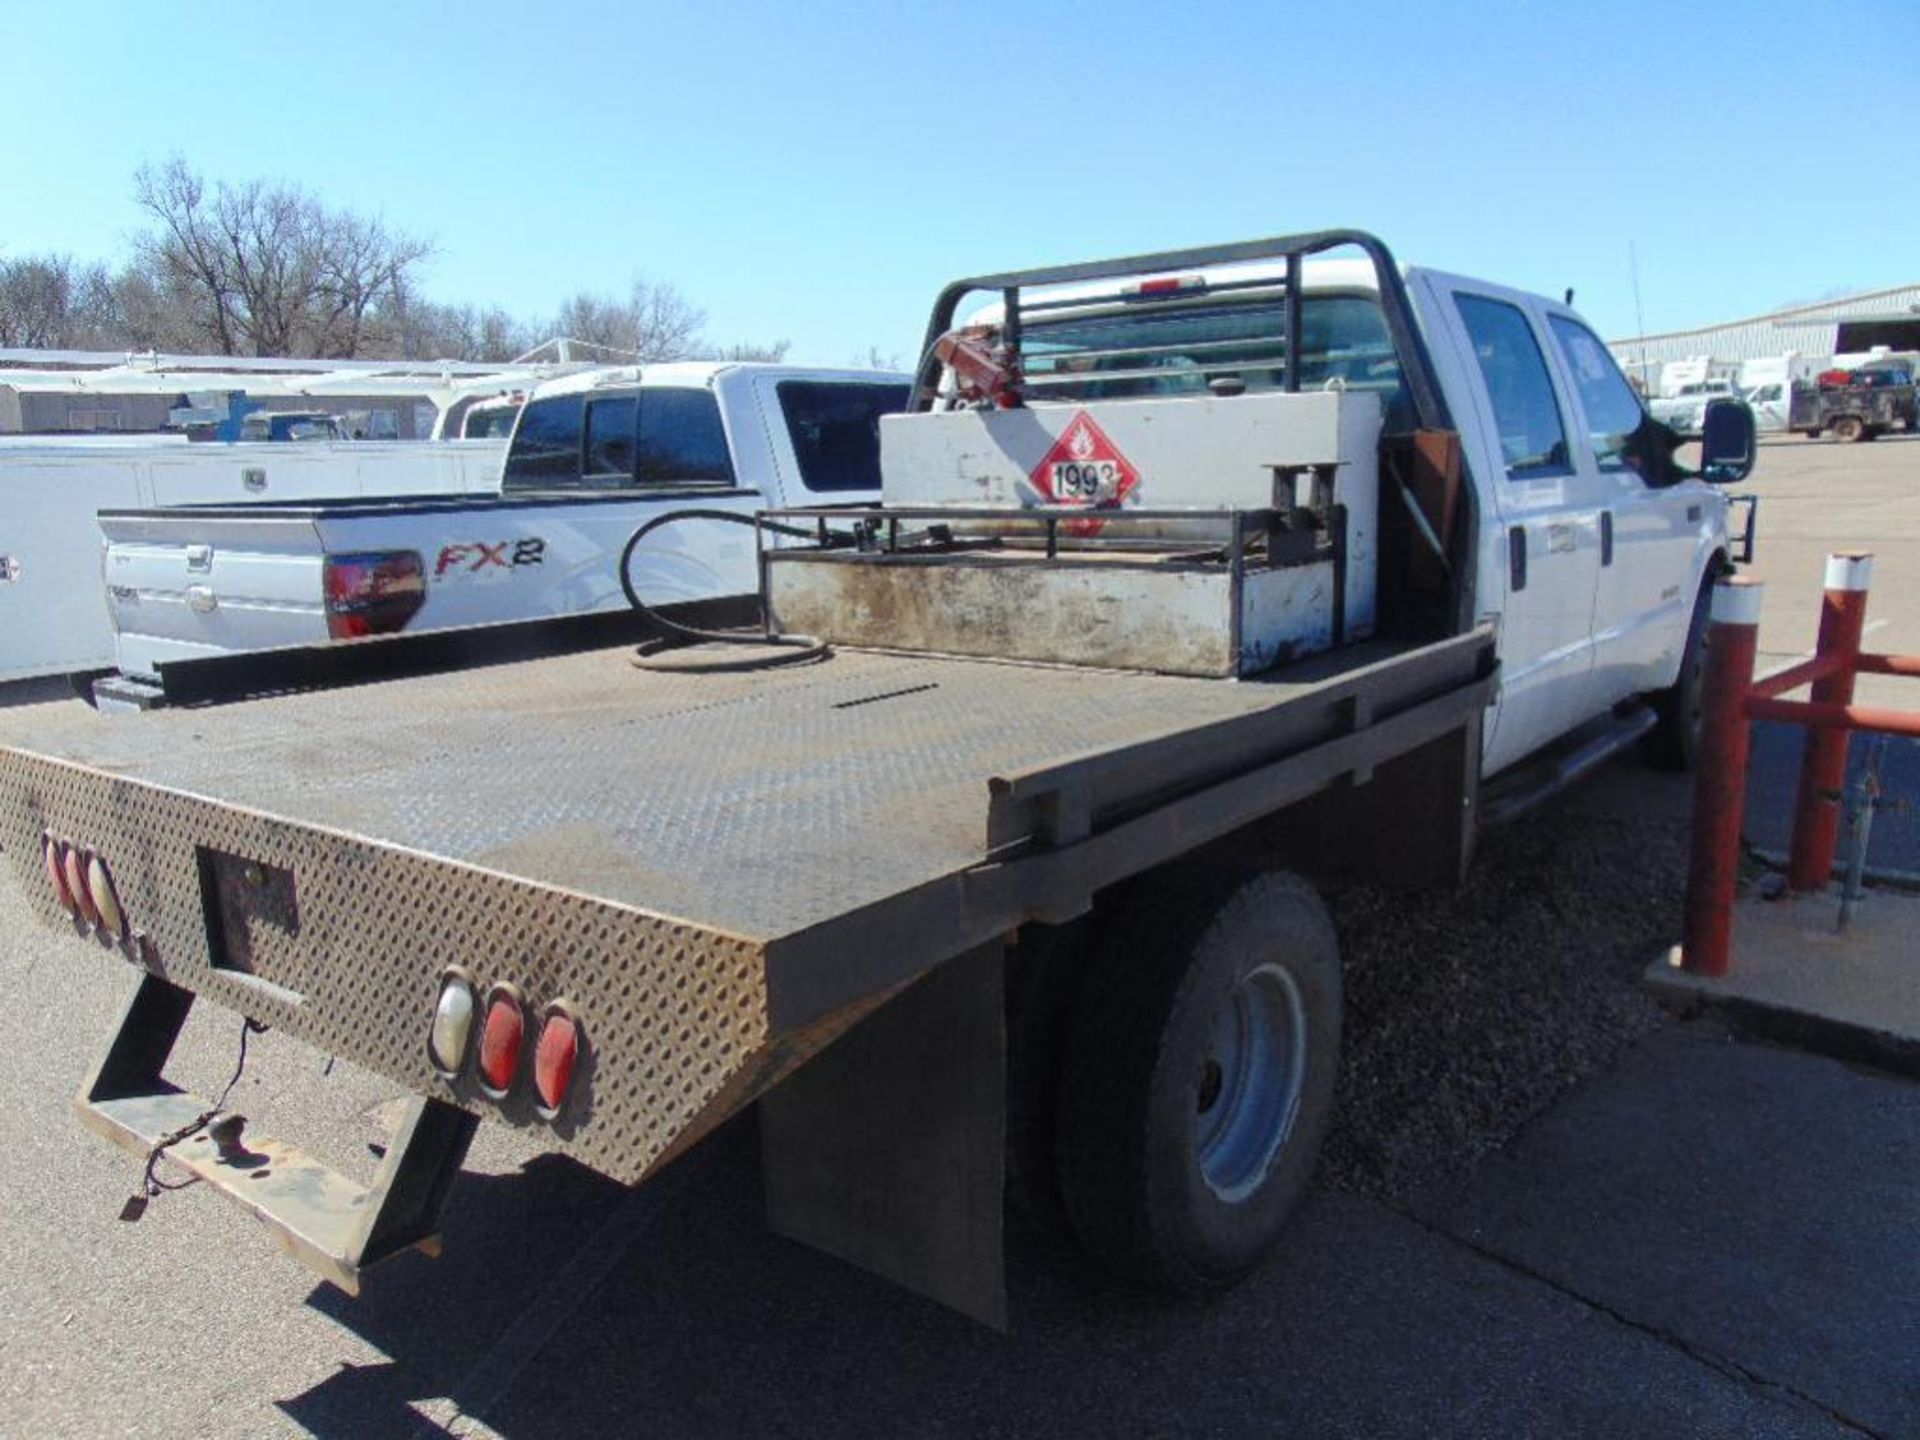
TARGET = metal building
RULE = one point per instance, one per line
(1849, 325)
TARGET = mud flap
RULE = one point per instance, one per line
(889, 1150)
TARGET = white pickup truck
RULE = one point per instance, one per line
(592, 457)
(1290, 551)
(53, 617)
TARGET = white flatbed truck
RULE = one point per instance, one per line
(960, 896)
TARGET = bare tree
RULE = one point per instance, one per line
(53, 302)
(877, 359)
(267, 269)
(654, 322)
(771, 354)
(35, 300)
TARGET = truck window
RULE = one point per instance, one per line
(682, 440)
(546, 445)
(612, 429)
(1179, 349)
(835, 429)
(1533, 438)
(1613, 410)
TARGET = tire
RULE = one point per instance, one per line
(1199, 1077)
(1848, 428)
(1674, 741)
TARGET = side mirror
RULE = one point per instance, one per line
(1727, 442)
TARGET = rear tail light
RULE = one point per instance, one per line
(452, 1029)
(106, 898)
(502, 1038)
(75, 861)
(54, 852)
(375, 593)
(555, 1057)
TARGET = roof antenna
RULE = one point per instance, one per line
(1568, 302)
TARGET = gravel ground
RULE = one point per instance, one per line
(1469, 1012)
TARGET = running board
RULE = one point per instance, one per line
(332, 1224)
(1579, 755)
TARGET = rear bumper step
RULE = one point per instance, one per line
(334, 1225)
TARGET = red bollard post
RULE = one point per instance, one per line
(1823, 764)
(1720, 786)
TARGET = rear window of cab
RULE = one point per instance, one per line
(619, 439)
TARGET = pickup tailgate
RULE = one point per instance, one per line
(193, 582)
(184, 584)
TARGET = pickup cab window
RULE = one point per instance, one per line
(682, 440)
(1612, 409)
(612, 428)
(612, 441)
(1178, 346)
(835, 429)
(546, 445)
(1533, 437)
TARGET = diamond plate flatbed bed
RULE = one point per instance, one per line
(720, 872)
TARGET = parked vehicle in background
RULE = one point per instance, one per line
(53, 613)
(1685, 411)
(1855, 405)
(593, 456)
(492, 419)
(283, 426)
(1767, 384)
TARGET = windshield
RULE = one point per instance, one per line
(1179, 348)
(494, 424)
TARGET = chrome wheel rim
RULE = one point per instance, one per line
(1248, 1094)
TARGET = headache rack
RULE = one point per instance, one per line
(1409, 440)
(1429, 407)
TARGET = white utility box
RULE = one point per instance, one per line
(1204, 535)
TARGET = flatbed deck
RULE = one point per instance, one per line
(707, 865)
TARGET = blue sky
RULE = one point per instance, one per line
(815, 172)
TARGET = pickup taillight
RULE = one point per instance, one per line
(373, 594)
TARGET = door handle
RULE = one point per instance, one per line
(1517, 558)
(1606, 537)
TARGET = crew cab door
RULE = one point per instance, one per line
(1655, 534)
(1542, 512)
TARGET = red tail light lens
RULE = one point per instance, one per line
(74, 862)
(54, 852)
(554, 1059)
(502, 1038)
(373, 594)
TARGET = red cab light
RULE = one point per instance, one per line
(375, 593)
(74, 860)
(555, 1057)
(502, 1038)
(54, 853)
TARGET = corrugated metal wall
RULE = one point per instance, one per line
(1804, 330)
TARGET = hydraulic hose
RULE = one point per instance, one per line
(794, 649)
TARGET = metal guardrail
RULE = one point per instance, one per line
(1733, 700)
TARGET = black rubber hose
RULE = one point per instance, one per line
(798, 648)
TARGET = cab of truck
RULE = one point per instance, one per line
(1589, 544)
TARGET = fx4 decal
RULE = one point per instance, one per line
(508, 555)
